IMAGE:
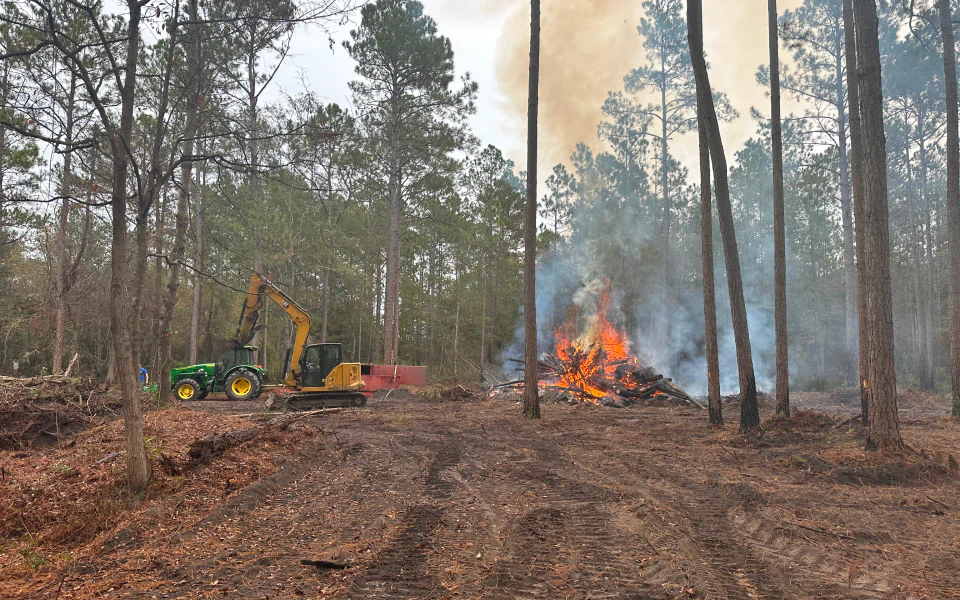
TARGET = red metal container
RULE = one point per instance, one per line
(378, 377)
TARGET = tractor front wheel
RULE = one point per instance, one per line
(241, 385)
(187, 389)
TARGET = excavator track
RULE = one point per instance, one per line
(310, 401)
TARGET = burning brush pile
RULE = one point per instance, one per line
(598, 366)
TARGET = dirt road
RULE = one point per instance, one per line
(421, 499)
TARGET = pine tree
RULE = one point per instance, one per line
(779, 228)
(881, 380)
(749, 411)
(406, 97)
(953, 192)
(531, 394)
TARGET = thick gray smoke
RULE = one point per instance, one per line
(571, 279)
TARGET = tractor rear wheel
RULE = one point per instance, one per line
(187, 389)
(241, 385)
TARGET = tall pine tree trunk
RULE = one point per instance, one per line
(663, 326)
(483, 327)
(324, 305)
(856, 170)
(197, 259)
(433, 293)
(850, 293)
(749, 411)
(139, 470)
(373, 284)
(62, 260)
(929, 376)
(915, 242)
(531, 394)
(4, 93)
(256, 189)
(953, 194)
(378, 329)
(779, 225)
(392, 300)
(325, 298)
(154, 342)
(183, 200)
(709, 292)
(883, 431)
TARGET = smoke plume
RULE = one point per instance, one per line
(587, 46)
(586, 49)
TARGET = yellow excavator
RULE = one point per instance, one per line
(314, 372)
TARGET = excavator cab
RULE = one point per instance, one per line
(318, 361)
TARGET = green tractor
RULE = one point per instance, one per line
(235, 374)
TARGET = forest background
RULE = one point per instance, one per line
(400, 229)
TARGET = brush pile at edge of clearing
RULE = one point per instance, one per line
(39, 410)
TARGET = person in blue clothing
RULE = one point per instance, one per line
(144, 376)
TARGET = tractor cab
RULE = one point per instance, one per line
(245, 356)
(317, 362)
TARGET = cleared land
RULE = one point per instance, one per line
(460, 498)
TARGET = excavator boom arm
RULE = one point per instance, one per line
(259, 287)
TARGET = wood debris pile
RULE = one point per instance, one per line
(44, 409)
(574, 376)
(599, 366)
(458, 393)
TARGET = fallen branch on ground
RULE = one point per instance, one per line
(205, 449)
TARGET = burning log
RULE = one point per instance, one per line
(540, 364)
(516, 382)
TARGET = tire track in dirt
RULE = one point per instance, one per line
(720, 560)
(739, 553)
(732, 570)
(252, 545)
(801, 559)
(400, 569)
(469, 501)
(727, 548)
(566, 544)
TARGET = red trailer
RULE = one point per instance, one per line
(378, 377)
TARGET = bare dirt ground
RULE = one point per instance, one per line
(420, 498)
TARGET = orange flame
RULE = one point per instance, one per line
(594, 356)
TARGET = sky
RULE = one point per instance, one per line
(587, 47)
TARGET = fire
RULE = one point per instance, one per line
(597, 365)
(594, 357)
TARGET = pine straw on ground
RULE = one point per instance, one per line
(60, 503)
(430, 498)
(911, 402)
